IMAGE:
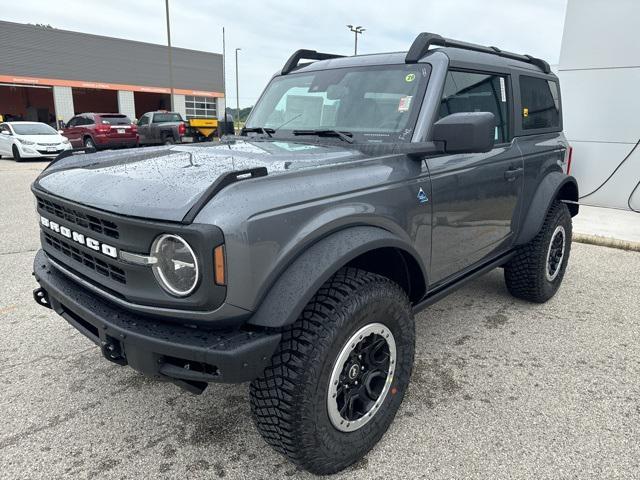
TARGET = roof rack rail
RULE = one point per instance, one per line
(293, 61)
(423, 41)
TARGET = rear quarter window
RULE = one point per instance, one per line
(540, 103)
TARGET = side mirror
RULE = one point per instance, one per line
(4, 132)
(60, 132)
(472, 132)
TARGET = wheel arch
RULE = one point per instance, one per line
(370, 248)
(554, 186)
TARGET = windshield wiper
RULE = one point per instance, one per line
(345, 136)
(264, 131)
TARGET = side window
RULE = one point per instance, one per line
(72, 123)
(144, 120)
(540, 103)
(477, 92)
(88, 121)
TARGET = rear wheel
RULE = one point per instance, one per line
(16, 154)
(537, 270)
(339, 375)
(168, 141)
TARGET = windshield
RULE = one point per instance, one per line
(33, 129)
(373, 103)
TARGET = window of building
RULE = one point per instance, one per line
(477, 92)
(200, 107)
(540, 103)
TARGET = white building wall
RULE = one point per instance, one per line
(599, 72)
(63, 103)
(179, 105)
(221, 107)
(126, 103)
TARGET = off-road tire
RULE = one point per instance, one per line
(525, 274)
(16, 154)
(289, 402)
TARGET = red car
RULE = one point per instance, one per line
(101, 130)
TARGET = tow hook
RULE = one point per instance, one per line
(112, 351)
(41, 297)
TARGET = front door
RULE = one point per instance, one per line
(143, 129)
(474, 196)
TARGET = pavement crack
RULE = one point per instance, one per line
(2, 254)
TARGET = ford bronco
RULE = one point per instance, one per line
(296, 255)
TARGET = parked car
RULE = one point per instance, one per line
(101, 130)
(296, 256)
(30, 140)
(161, 128)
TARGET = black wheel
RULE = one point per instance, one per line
(340, 373)
(168, 141)
(16, 154)
(89, 143)
(537, 270)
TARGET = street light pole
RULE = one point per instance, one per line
(357, 31)
(170, 56)
(237, 91)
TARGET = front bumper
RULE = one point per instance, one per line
(188, 356)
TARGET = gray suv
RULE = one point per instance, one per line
(296, 255)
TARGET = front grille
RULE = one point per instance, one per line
(100, 266)
(48, 144)
(82, 219)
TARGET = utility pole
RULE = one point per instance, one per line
(166, 2)
(224, 84)
(237, 91)
(357, 31)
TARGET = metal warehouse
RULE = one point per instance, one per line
(48, 74)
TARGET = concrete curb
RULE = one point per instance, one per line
(606, 242)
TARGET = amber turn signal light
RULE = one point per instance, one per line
(218, 265)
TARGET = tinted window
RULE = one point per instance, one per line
(73, 122)
(115, 119)
(166, 117)
(540, 103)
(476, 92)
(144, 120)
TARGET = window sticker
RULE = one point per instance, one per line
(503, 90)
(525, 112)
(410, 77)
(405, 103)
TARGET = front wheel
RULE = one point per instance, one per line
(340, 373)
(536, 271)
(89, 143)
(16, 154)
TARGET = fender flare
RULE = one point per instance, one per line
(295, 287)
(548, 190)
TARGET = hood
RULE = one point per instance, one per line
(163, 183)
(57, 138)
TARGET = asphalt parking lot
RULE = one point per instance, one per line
(501, 388)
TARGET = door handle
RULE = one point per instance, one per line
(511, 174)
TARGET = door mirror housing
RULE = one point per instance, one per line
(4, 132)
(469, 132)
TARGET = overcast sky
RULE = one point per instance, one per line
(269, 31)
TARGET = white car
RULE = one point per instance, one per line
(30, 140)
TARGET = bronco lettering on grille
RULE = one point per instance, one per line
(89, 242)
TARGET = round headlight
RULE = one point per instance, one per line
(176, 267)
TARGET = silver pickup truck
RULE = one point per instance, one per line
(161, 128)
